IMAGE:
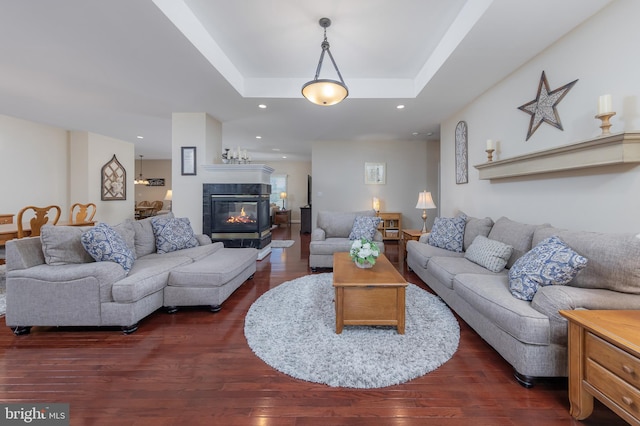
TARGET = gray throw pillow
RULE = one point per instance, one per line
(489, 254)
(61, 245)
(474, 227)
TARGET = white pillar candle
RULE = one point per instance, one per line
(490, 144)
(604, 104)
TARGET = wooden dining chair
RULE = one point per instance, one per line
(82, 213)
(41, 217)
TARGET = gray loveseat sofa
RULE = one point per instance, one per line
(331, 235)
(52, 281)
(530, 335)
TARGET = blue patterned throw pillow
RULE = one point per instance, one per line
(173, 234)
(551, 262)
(448, 233)
(103, 243)
(364, 227)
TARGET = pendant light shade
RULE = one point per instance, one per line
(325, 92)
(141, 180)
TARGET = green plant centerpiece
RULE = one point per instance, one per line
(364, 253)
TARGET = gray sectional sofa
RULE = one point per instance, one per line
(530, 335)
(331, 235)
(52, 281)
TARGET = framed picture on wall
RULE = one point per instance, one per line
(462, 161)
(113, 181)
(188, 160)
(375, 173)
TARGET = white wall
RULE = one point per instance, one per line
(601, 54)
(296, 172)
(35, 165)
(338, 177)
(44, 165)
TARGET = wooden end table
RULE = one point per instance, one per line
(374, 296)
(408, 235)
(283, 217)
(604, 362)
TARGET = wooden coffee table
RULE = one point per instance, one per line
(374, 296)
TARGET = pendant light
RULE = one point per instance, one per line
(325, 92)
(141, 180)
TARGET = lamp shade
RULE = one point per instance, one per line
(376, 204)
(425, 201)
(169, 195)
(283, 195)
(324, 92)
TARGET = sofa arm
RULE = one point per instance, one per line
(378, 236)
(203, 239)
(424, 238)
(318, 234)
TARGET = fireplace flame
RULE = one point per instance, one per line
(242, 218)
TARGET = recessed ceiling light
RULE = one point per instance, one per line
(400, 107)
(258, 137)
(262, 106)
(415, 133)
(275, 149)
(430, 133)
(284, 156)
(140, 137)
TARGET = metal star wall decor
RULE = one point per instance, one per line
(543, 107)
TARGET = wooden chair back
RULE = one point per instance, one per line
(156, 206)
(41, 217)
(82, 213)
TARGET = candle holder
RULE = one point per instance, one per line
(606, 125)
(490, 154)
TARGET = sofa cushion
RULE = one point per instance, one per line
(446, 268)
(193, 253)
(214, 271)
(448, 233)
(330, 246)
(145, 240)
(339, 224)
(475, 227)
(517, 235)
(128, 234)
(147, 276)
(105, 244)
(614, 259)
(61, 245)
(551, 262)
(364, 227)
(490, 296)
(421, 253)
(173, 234)
(490, 254)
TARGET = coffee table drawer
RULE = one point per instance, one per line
(370, 305)
(617, 361)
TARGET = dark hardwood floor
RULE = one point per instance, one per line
(195, 368)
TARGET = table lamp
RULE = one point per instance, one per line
(376, 204)
(283, 196)
(425, 202)
(167, 197)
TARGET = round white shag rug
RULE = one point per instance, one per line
(292, 328)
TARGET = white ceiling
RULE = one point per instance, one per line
(121, 68)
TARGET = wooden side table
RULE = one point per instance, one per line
(283, 217)
(604, 362)
(408, 235)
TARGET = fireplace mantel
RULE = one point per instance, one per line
(238, 173)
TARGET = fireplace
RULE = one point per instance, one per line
(237, 214)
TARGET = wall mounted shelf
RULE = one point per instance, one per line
(619, 148)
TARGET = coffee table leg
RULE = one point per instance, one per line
(339, 309)
(401, 309)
